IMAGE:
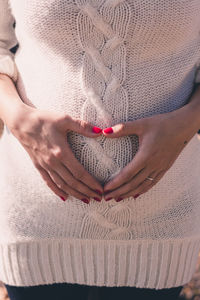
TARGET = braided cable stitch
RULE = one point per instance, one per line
(104, 62)
(103, 74)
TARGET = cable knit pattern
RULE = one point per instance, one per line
(104, 61)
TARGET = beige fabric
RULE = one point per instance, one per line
(105, 61)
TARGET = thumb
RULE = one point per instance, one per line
(80, 126)
(123, 129)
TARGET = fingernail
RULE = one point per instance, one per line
(98, 192)
(137, 195)
(119, 199)
(97, 199)
(108, 130)
(107, 199)
(63, 198)
(96, 129)
(85, 200)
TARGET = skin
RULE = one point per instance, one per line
(162, 137)
(43, 135)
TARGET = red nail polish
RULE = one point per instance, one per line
(97, 199)
(107, 199)
(96, 129)
(119, 199)
(137, 195)
(85, 200)
(63, 198)
(98, 192)
(108, 130)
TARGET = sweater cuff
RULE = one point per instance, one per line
(8, 66)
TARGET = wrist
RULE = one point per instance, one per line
(187, 120)
(17, 115)
(192, 112)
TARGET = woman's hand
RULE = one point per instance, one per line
(161, 139)
(43, 134)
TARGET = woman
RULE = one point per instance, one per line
(101, 108)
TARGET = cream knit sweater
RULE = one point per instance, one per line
(105, 61)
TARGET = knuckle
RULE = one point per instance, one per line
(78, 125)
(49, 159)
(82, 125)
(61, 185)
(58, 153)
(121, 127)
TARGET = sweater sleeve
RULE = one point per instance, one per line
(197, 75)
(7, 41)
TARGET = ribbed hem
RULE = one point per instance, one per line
(144, 264)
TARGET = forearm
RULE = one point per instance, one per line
(187, 118)
(193, 110)
(10, 101)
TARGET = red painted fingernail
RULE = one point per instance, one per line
(119, 199)
(107, 199)
(98, 192)
(108, 130)
(85, 200)
(137, 195)
(63, 198)
(97, 199)
(96, 129)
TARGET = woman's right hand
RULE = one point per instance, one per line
(43, 134)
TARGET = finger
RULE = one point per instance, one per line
(129, 171)
(144, 186)
(65, 187)
(68, 180)
(83, 127)
(59, 192)
(78, 171)
(124, 129)
(129, 186)
(157, 178)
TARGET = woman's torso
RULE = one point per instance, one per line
(105, 62)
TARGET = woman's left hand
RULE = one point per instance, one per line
(161, 139)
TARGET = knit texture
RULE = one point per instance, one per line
(104, 61)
